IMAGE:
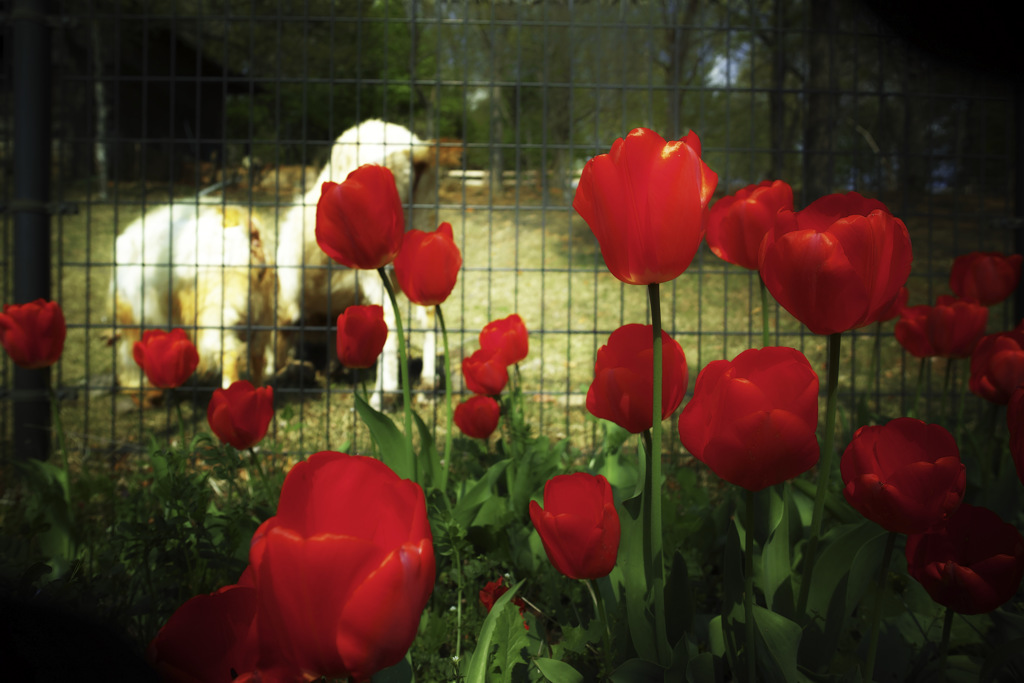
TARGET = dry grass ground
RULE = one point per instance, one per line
(519, 255)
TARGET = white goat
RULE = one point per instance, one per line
(202, 267)
(313, 290)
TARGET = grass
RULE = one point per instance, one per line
(519, 255)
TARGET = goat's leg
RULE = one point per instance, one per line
(426, 319)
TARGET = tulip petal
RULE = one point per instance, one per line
(762, 449)
(380, 618)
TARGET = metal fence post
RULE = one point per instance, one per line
(1018, 191)
(31, 81)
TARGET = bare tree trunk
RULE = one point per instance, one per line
(821, 102)
(102, 173)
(677, 49)
(497, 137)
(777, 106)
(494, 43)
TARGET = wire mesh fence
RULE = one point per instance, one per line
(237, 105)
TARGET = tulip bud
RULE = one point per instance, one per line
(167, 358)
(33, 334)
(578, 525)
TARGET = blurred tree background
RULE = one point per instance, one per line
(820, 93)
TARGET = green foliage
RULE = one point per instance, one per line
(138, 547)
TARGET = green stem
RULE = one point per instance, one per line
(750, 646)
(181, 425)
(824, 469)
(403, 368)
(947, 626)
(447, 402)
(458, 601)
(254, 459)
(58, 427)
(606, 633)
(876, 608)
(517, 396)
(765, 332)
(645, 438)
(912, 412)
(961, 400)
(654, 492)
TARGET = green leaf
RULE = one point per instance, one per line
(998, 658)
(510, 635)
(470, 501)
(619, 473)
(477, 669)
(733, 584)
(865, 568)
(679, 607)
(845, 568)
(390, 442)
(614, 436)
(631, 562)
(51, 500)
(778, 647)
(681, 653)
(399, 673)
(716, 636)
(638, 671)
(159, 463)
(777, 556)
(701, 669)
(834, 562)
(557, 671)
(576, 638)
(428, 450)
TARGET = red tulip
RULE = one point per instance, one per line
(644, 201)
(360, 222)
(478, 416)
(997, 365)
(973, 563)
(209, 639)
(345, 568)
(33, 334)
(508, 337)
(167, 358)
(905, 475)
(988, 277)
(240, 414)
(738, 223)
(838, 264)
(623, 386)
(753, 419)
(493, 590)
(361, 335)
(949, 329)
(485, 372)
(428, 265)
(578, 525)
(1015, 421)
